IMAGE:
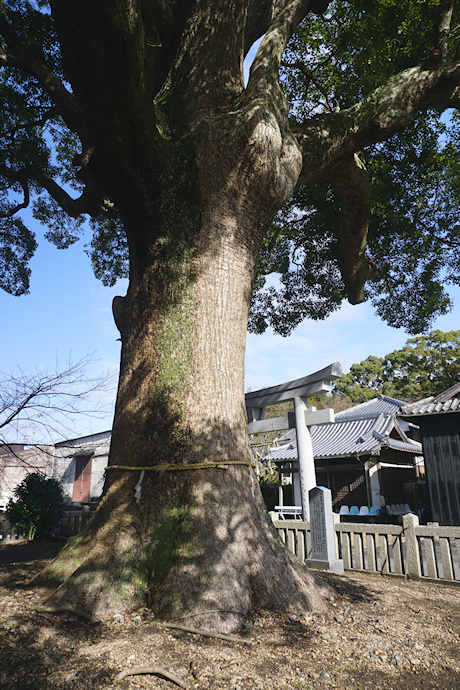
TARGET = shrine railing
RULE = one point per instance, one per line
(411, 550)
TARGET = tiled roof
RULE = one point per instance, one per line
(447, 401)
(362, 430)
(372, 408)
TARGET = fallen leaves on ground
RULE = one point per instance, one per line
(379, 633)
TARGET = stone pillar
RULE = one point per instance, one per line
(414, 568)
(307, 474)
(322, 528)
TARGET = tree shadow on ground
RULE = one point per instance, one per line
(19, 562)
(38, 549)
(345, 587)
(296, 633)
(43, 651)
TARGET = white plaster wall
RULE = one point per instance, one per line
(98, 475)
(64, 465)
(64, 471)
(375, 485)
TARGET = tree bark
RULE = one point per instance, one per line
(197, 167)
(198, 539)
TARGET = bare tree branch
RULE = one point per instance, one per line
(8, 450)
(302, 67)
(39, 122)
(51, 402)
(24, 204)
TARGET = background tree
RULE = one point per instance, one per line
(135, 112)
(426, 365)
(38, 505)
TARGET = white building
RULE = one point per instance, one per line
(79, 464)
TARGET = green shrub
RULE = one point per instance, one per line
(38, 505)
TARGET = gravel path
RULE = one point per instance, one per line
(378, 633)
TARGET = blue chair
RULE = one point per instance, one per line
(354, 510)
(374, 511)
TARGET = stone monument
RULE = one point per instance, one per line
(323, 556)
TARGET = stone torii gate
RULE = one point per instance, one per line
(303, 417)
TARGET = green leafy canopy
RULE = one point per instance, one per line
(330, 65)
(37, 149)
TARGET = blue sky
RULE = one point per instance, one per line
(347, 336)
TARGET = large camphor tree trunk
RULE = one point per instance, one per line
(197, 165)
(197, 539)
(196, 186)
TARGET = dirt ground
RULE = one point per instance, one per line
(379, 632)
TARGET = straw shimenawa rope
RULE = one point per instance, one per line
(165, 467)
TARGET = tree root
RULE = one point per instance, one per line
(201, 613)
(197, 631)
(158, 670)
(68, 609)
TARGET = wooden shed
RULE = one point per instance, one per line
(439, 421)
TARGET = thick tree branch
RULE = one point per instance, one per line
(330, 142)
(264, 76)
(327, 139)
(48, 80)
(351, 183)
(445, 20)
(262, 13)
(114, 57)
(90, 201)
(112, 82)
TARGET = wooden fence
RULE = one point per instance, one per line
(411, 550)
(74, 522)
